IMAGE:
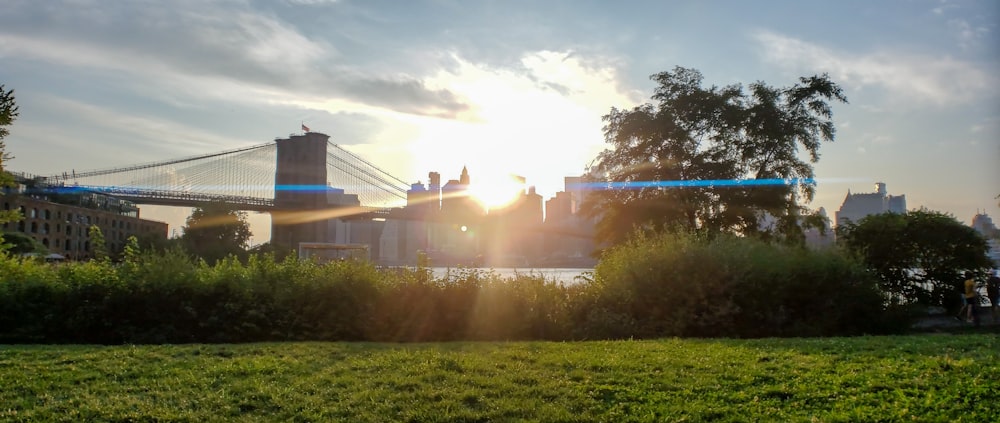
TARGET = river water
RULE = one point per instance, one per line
(565, 276)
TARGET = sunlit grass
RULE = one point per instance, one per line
(923, 378)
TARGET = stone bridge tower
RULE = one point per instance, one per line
(300, 190)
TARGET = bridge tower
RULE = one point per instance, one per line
(300, 190)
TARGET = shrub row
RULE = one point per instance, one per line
(670, 285)
(168, 298)
(652, 287)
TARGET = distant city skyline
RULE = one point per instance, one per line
(500, 87)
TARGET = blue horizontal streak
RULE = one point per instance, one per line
(701, 183)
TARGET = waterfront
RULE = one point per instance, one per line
(563, 275)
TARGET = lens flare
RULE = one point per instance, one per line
(498, 192)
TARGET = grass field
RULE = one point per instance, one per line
(902, 378)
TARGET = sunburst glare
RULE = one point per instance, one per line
(496, 191)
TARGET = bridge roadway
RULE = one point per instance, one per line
(178, 199)
(267, 205)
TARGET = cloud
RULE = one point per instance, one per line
(985, 132)
(944, 7)
(218, 50)
(407, 95)
(942, 81)
(311, 2)
(539, 118)
(130, 137)
(967, 35)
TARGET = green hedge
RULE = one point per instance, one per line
(684, 285)
(651, 287)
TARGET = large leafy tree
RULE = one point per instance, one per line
(694, 133)
(918, 256)
(215, 231)
(8, 112)
(18, 243)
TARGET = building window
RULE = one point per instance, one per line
(20, 226)
(47, 213)
(86, 246)
(6, 206)
(69, 230)
(45, 228)
(69, 245)
(34, 227)
(69, 217)
(34, 213)
(45, 242)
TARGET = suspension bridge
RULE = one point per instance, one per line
(303, 182)
(248, 178)
(316, 191)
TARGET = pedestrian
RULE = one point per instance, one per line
(971, 297)
(993, 291)
(961, 315)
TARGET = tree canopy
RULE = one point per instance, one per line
(215, 231)
(693, 133)
(8, 112)
(918, 256)
(19, 243)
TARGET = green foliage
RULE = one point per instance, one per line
(653, 286)
(687, 285)
(155, 297)
(19, 243)
(272, 249)
(694, 133)
(469, 304)
(156, 242)
(8, 113)
(919, 256)
(215, 231)
(858, 379)
(97, 243)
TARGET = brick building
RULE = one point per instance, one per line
(62, 222)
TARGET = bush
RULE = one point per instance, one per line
(651, 287)
(468, 304)
(685, 285)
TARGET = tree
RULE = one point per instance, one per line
(153, 242)
(19, 243)
(709, 134)
(8, 112)
(97, 243)
(918, 256)
(215, 231)
(270, 248)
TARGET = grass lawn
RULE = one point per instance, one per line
(922, 377)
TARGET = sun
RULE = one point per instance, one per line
(496, 192)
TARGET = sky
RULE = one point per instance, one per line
(500, 87)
